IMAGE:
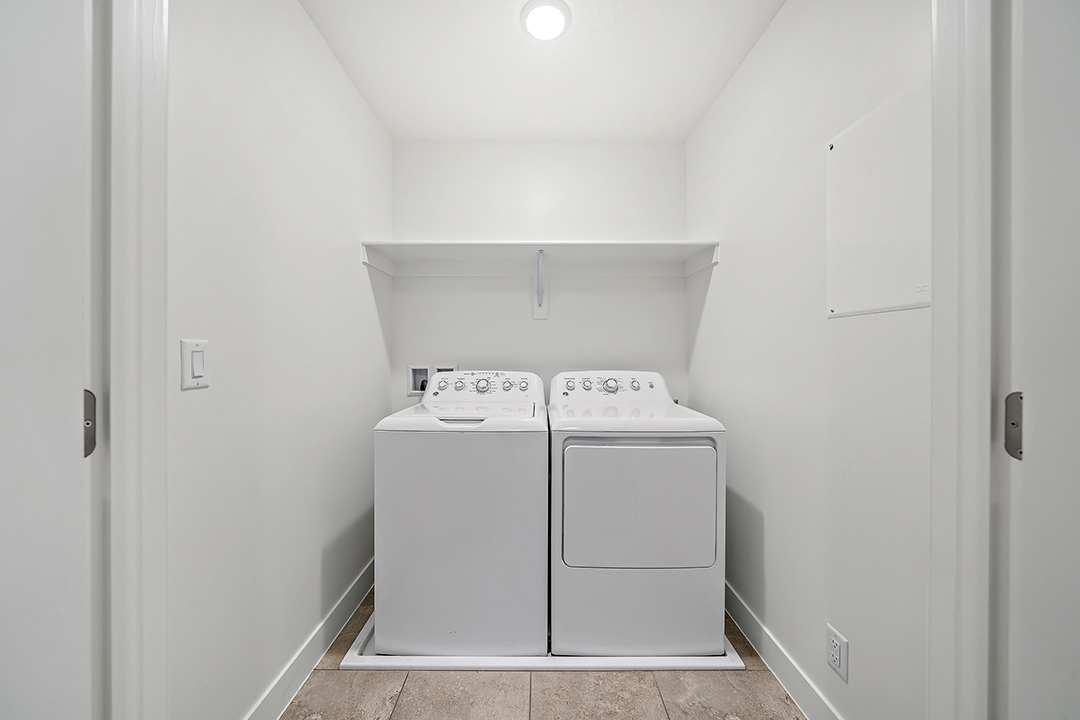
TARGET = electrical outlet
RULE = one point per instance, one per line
(836, 651)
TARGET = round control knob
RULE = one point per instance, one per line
(611, 385)
(587, 384)
(442, 384)
(635, 385)
(507, 385)
(459, 385)
(524, 384)
(569, 384)
(482, 385)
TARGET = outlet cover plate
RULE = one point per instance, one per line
(836, 651)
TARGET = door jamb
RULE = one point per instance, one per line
(138, 361)
(958, 582)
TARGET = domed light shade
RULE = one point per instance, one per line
(545, 19)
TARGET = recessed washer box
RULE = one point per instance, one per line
(417, 377)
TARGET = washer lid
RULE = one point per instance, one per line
(440, 416)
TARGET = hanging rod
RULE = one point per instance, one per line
(540, 278)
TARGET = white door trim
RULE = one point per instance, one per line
(958, 603)
(138, 361)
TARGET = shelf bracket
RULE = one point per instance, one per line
(540, 311)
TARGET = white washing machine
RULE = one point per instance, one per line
(461, 519)
(637, 519)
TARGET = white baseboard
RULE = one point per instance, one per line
(285, 686)
(801, 689)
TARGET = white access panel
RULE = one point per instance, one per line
(877, 209)
(639, 507)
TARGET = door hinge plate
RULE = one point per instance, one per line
(1014, 425)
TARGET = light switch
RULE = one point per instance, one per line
(193, 364)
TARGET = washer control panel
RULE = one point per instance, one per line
(609, 384)
(486, 385)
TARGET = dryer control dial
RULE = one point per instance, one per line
(611, 385)
(483, 385)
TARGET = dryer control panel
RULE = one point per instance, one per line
(495, 385)
(610, 385)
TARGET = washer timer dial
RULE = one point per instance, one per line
(483, 385)
(611, 385)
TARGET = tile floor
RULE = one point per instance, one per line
(332, 694)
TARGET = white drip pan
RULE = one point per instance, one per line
(361, 657)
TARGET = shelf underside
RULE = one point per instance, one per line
(561, 258)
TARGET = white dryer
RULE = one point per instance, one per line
(461, 519)
(637, 519)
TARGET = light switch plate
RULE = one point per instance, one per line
(187, 379)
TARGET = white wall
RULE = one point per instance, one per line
(590, 191)
(478, 191)
(594, 324)
(828, 437)
(277, 171)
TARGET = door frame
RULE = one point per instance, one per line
(958, 576)
(961, 355)
(138, 342)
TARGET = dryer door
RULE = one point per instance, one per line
(639, 506)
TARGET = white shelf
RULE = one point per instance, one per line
(677, 258)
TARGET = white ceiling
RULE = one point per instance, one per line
(466, 69)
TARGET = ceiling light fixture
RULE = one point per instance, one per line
(545, 19)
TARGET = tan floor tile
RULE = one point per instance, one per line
(742, 646)
(347, 695)
(431, 695)
(333, 657)
(725, 695)
(595, 696)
